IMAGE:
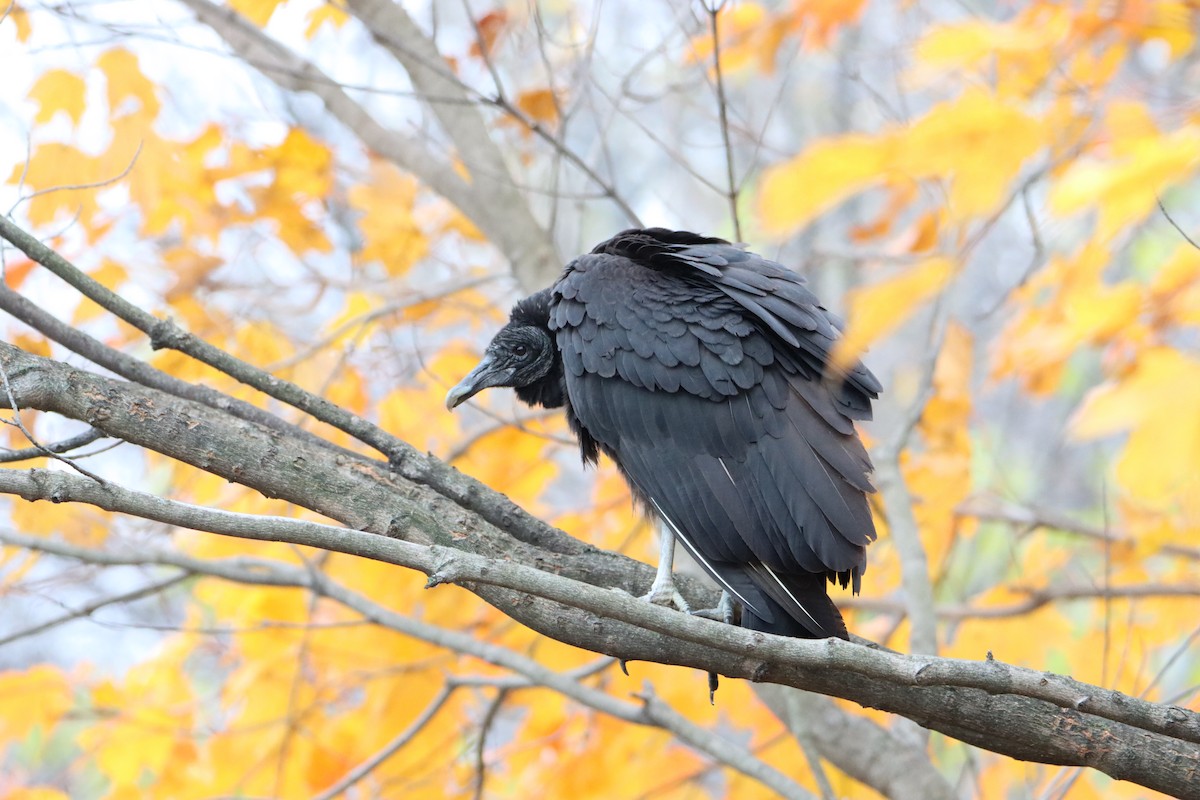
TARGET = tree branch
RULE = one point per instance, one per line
(887, 763)
(405, 459)
(260, 571)
(565, 593)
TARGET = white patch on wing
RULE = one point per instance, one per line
(783, 586)
(721, 461)
(703, 562)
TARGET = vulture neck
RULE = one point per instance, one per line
(548, 391)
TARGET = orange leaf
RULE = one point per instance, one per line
(16, 272)
(821, 19)
(539, 105)
(490, 26)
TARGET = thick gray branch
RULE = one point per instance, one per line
(895, 768)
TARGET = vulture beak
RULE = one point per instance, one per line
(484, 376)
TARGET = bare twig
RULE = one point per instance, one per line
(138, 371)
(94, 606)
(485, 725)
(1175, 224)
(391, 748)
(65, 446)
(76, 186)
(984, 508)
(714, 13)
(1035, 599)
(878, 757)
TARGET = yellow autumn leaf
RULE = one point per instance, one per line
(125, 81)
(20, 18)
(825, 174)
(1125, 187)
(59, 173)
(1175, 290)
(1156, 404)
(59, 90)
(1016, 56)
(328, 12)
(740, 26)
(80, 525)
(966, 43)
(302, 165)
(35, 697)
(147, 719)
(171, 183)
(389, 229)
(262, 343)
(36, 793)
(879, 309)
(1173, 23)
(257, 11)
(977, 142)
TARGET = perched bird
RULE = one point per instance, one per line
(704, 371)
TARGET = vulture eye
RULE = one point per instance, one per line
(520, 351)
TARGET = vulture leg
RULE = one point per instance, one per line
(662, 591)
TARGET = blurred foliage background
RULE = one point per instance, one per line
(998, 196)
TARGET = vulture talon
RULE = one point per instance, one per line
(722, 612)
(668, 596)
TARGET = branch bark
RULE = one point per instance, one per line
(562, 588)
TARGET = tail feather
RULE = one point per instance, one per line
(797, 605)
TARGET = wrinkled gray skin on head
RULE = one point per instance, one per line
(523, 356)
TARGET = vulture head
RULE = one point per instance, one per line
(522, 355)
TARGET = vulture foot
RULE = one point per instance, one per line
(663, 592)
(722, 613)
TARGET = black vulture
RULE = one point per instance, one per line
(704, 371)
